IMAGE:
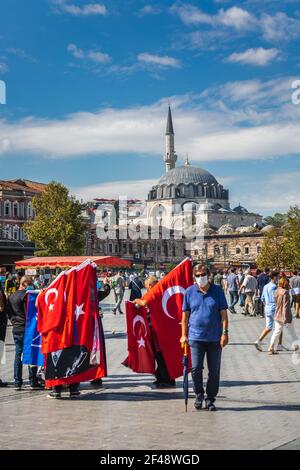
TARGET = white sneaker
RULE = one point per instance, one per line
(258, 345)
(279, 347)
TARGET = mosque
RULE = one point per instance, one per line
(230, 235)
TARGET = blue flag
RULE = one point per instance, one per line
(32, 354)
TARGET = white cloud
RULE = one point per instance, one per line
(236, 18)
(133, 189)
(149, 10)
(279, 27)
(94, 56)
(163, 61)
(220, 124)
(267, 197)
(233, 17)
(259, 56)
(85, 10)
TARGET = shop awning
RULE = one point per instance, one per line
(69, 261)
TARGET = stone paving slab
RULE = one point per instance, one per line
(258, 405)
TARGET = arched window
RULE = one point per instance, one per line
(16, 232)
(166, 251)
(29, 210)
(247, 250)
(237, 250)
(16, 209)
(7, 208)
(217, 250)
(258, 249)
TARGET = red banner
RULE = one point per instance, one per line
(140, 351)
(165, 304)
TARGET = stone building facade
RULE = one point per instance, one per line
(15, 210)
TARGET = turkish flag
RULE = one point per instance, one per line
(164, 301)
(55, 318)
(85, 359)
(140, 351)
(51, 305)
(86, 327)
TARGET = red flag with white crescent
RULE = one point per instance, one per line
(164, 301)
(84, 358)
(140, 351)
(55, 322)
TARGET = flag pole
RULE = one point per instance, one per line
(185, 374)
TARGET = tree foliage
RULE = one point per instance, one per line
(281, 248)
(278, 219)
(58, 228)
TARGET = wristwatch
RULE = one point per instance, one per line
(225, 332)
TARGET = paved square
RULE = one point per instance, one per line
(258, 405)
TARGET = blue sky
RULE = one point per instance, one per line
(88, 85)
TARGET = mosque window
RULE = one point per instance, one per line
(216, 250)
(7, 208)
(16, 209)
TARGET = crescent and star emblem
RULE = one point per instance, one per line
(140, 319)
(49, 292)
(168, 294)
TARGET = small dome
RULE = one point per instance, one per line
(226, 229)
(240, 209)
(187, 174)
(209, 231)
(248, 229)
(267, 228)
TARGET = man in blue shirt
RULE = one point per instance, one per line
(205, 328)
(268, 299)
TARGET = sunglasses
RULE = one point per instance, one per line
(201, 275)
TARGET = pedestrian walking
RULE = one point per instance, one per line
(248, 287)
(269, 301)
(119, 290)
(3, 326)
(262, 279)
(233, 288)
(205, 328)
(295, 291)
(241, 278)
(283, 315)
(17, 316)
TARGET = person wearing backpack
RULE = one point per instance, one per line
(135, 287)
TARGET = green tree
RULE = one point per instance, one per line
(58, 228)
(278, 219)
(281, 247)
(291, 234)
(273, 253)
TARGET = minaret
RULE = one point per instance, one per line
(170, 156)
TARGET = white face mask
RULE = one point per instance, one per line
(202, 281)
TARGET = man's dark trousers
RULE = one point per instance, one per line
(18, 366)
(213, 352)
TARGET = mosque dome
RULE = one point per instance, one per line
(188, 181)
(187, 174)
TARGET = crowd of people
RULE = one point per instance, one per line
(268, 294)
